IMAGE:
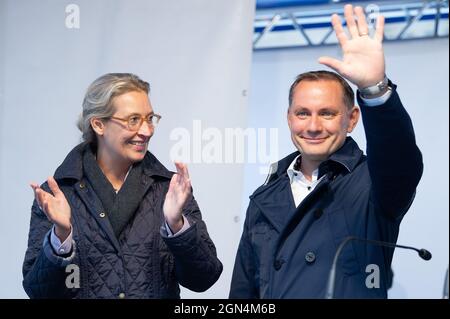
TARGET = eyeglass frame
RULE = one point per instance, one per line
(142, 119)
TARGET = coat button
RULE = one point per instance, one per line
(82, 185)
(121, 295)
(278, 264)
(310, 257)
(102, 214)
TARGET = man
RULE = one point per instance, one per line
(329, 190)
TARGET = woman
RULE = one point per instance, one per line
(113, 222)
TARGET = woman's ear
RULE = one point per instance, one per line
(98, 126)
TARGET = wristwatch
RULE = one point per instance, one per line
(375, 89)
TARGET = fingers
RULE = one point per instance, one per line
(53, 186)
(363, 29)
(42, 199)
(185, 171)
(188, 179)
(338, 29)
(179, 175)
(379, 29)
(34, 186)
(350, 19)
(179, 167)
(332, 63)
(183, 179)
(359, 27)
(37, 197)
(182, 170)
(173, 182)
(46, 208)
(39, 194)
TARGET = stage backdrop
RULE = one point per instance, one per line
(196, 55)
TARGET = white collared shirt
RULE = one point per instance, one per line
(300, 186)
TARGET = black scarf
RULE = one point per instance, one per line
(119, 207)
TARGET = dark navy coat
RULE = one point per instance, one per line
(287, 252)
(142, 263)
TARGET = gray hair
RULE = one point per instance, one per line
(98, 99)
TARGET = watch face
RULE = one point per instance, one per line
(383, 84)
(377, 88)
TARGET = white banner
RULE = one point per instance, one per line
(196, 55)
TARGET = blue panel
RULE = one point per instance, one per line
(273, 4)
(269, 4)
(328, 24)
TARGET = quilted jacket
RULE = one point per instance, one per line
(142, 263)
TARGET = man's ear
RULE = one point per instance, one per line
(98, 126)
(353, 118)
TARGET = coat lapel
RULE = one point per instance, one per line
(95, 208)
(70, 172)
(274, 199)
(276, 202)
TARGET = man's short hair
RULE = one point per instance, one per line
(348, 94)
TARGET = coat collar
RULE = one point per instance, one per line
(274, 198)
(347, 157)
(72, 166)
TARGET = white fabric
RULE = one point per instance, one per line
(378, 100)
(300, 185)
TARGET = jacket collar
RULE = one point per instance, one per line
(72, 166)
(348, 156)
(275, 199)
(153, 167)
